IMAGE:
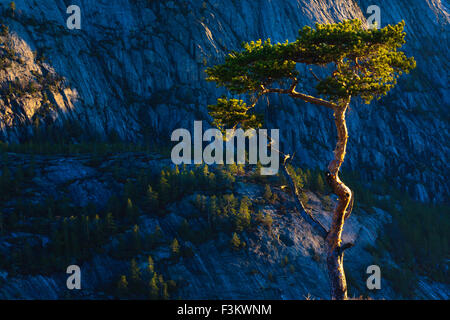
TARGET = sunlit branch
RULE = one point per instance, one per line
(291, 92)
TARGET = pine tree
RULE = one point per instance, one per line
(202, 174)
(205, 171)
(164, 189)
(300, 178)
(268, 221)
(304, 198)
(256, 174)
(243, 217)
(319, 185)
(175, 183)
(131, 211)
(176, 171)
(191, 178)
(151, 199)
(153, 287)
(135, 274)
(308, 179)
(233, 168)
(235, 242)
(157, 234)
(360, 62)
(213, 211)
(165, 292)
(268, 193)
(229, 204)
(211, 181)
(225, 179)
(122, 286)
(160, 282)
(151, 265)
(259, 217)
(200, 203)
(12, 8)
(175, 248)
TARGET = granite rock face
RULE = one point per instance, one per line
(215, 271)
(285, 261)
(135, 69)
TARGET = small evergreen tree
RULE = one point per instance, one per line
(164, 189)
(235, 242)
(213, 211)
(233, 168)
(135, 272)
(211, 181)
(12, 8)
(122, 286)
(259, 217)
(243, 218)
(175, 248)
(131, 211)
(165, 292)
(268, 221)
(256, 174)
(319, 184)
(151, 265)
(151, 199)
(153, 287)
(268, 195)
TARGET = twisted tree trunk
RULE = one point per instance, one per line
(335, 251)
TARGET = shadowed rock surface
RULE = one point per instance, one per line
(215, 270)
(135, 71)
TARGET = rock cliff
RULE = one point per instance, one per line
(135, 70)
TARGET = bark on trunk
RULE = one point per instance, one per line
(335, 251)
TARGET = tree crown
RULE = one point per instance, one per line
(360, 62)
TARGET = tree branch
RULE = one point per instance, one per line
(294, 84)
(316, 225)
(315, 76)
(320, 229)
